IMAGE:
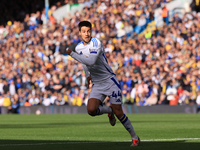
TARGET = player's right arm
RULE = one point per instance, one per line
(86, 70)
(69, 52)
(87, 75)
(87, 60)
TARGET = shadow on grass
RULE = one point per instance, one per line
(49, 125)
(94, 145)
(52, 125)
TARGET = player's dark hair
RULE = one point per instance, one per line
(84, 23)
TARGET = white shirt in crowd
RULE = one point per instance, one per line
(34, 101)
(142, 21)
(46, 102)
(198, 100)
(52, 99)
(133, 93)
(1, 101)
(1, 87)
(12, 89)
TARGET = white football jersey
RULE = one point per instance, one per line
(94, 61)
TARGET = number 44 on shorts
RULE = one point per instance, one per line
(117, 96)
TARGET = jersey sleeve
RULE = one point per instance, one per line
(86, 70)
(75, 49)
(88, 60)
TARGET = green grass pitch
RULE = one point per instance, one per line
(83, 132)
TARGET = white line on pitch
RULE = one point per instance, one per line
(59, 143)
(176, 139)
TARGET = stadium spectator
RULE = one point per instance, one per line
(128, 99)
(27, 104)
(142, 22)
(60, 100)
(198, 102)
(76, 101)
(195, 5)
(143, 88)
(46, 101)
(165, 14)
(34, 100)
(151, 100)
(6, 100)
(1, 100)
(15, 104)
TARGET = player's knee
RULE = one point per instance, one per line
(91, 111)
(118, 113)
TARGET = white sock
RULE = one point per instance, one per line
(103, 110)
(128, 126)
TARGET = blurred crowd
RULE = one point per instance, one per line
(16, 10)
(162, 68)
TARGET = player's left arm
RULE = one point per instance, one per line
(87, 60)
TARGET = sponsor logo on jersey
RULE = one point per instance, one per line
(93, 51)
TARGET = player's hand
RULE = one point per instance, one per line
(89, 81)
(68, 51)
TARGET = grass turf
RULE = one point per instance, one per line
(80, 131)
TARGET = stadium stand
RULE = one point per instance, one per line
(154, 65)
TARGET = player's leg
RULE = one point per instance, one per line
(116, 101)
(117, 109)
(96, 98)
(94, 108)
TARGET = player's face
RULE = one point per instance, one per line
(85, 34)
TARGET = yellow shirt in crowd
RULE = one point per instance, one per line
(6, 102)
(77, 101)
